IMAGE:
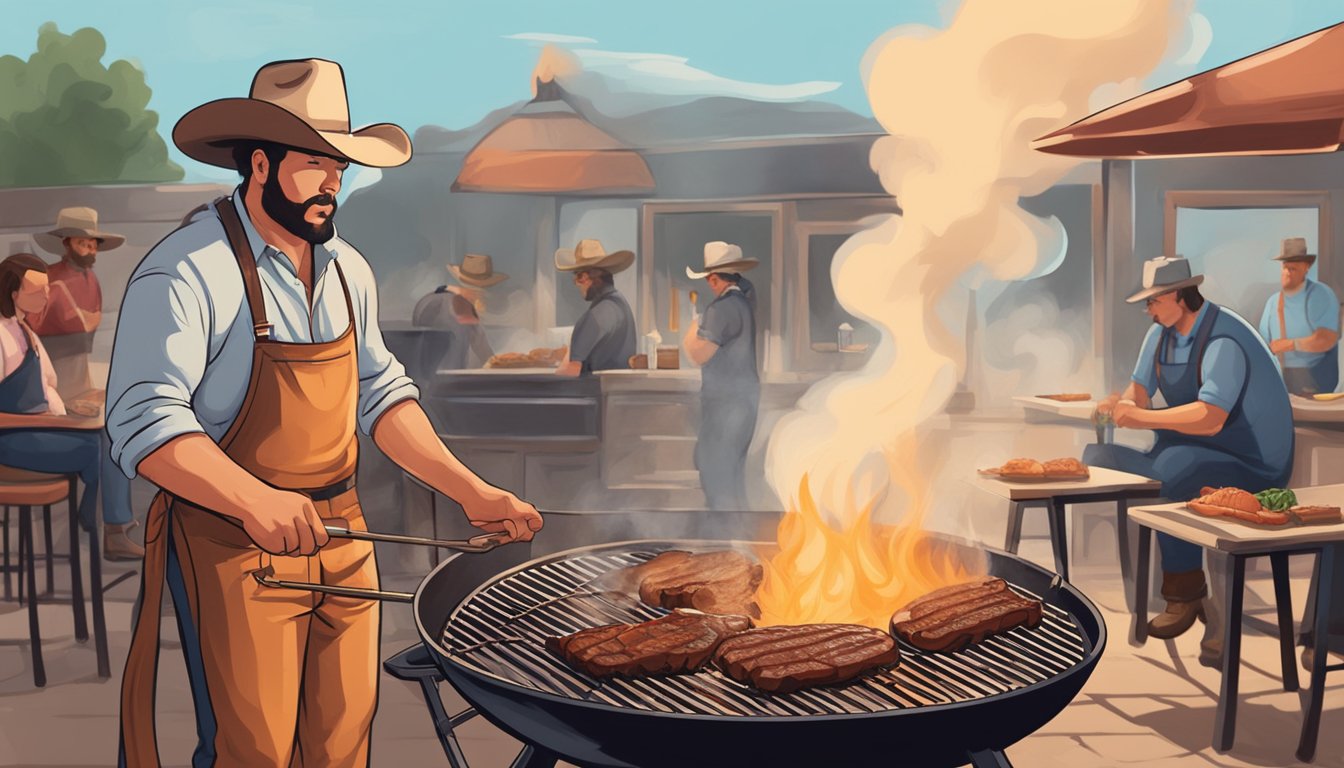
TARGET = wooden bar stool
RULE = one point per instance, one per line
(24, 489)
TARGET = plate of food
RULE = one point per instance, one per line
(1033, 471)
(541, 357)
(1271, 508)
(1068, 397)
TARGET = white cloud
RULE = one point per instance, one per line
(1200, 33)
(667, 74)
(547, 37)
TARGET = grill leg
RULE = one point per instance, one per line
(443, 725)
(534, 757)
(1059, 538)
(1225, 727)
(1311, 723)
(1283, 600)
(990, 758)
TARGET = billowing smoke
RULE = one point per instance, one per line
(961, 107)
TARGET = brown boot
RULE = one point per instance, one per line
(118, 546)
(1184, 593)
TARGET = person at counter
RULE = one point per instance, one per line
(1301, 323)
(604, 338)
(1226, 422)
(248, 359)
(455, 309)
(28, 386)
(723, 343)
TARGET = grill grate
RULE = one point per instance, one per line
(501, 630)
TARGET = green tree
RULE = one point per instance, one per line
(65, 118)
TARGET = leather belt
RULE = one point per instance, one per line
(330, 491)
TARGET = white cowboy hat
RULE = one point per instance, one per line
(300, 104)
(478, 271)
(1163, 275)
(722, 257)
(77, 222)
(1295, 249)
(588, 254)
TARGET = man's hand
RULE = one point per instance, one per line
(1107, 407)
(1279, 346)
(1125, 414)
(495, 510)
(285, 523)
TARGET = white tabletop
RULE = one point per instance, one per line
(1081, 410)
(1101, 482)
(1231, 535)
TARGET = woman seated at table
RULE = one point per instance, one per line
(28, 387)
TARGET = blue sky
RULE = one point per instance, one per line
(417, 62)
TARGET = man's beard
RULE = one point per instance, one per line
(290, 214)
(83, 262)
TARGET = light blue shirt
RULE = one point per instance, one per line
(182, 358)
(1304, 312)
(1224, 368)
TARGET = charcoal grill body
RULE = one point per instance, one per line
(593, 733)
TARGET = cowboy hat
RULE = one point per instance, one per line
(1164, 275)
(722, 257)
(299, 104)
(1295, 249)
(77, 222)
(588, 254)
(477, 270)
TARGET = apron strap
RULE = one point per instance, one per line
(139, 747)
(1283, 327)
(247, 262)
(345, 288)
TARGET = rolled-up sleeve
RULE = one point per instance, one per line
(1224, 372)
(1323, 309)
(1145, 372)
(158, 360)
(382, 378)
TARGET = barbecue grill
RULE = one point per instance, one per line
(931, 710)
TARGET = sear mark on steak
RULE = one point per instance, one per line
(955, 617)
(784, 659)
(681, 641)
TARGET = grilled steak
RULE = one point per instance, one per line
(786, 658)
(954, 617)
(722, 582)
(1314, 515)
(681, 641)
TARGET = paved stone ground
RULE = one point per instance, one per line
(1152, 705)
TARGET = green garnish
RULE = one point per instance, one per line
(1277, 499)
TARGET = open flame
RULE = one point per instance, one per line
(855, 571)
(554, 62)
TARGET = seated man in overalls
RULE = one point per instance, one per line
(1226, 422)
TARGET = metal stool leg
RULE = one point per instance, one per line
(46, 531)
(8, 583)
(34, 630)
(1283, 601)
(1059, 538)
(96, 596)
(76, 568)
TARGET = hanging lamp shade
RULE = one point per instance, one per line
(1288, 99)
(547, 148)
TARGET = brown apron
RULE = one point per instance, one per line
(280, 677)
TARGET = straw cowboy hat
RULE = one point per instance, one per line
(588, 254)
(722, 257)
(300, 104)
(1163, 275)
(1295, 249)
(77, 222)
(477, 270)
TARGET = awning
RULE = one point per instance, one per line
(548, 148)
(1288, 99)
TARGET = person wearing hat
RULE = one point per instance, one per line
(723, 344)
(1301, 323)
(454, 309)
(247, 357)
(1226, 422)
(67, 327)
(604, 337)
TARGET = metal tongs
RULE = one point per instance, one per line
(337, 528)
